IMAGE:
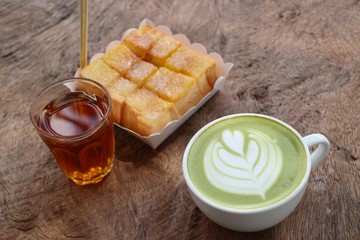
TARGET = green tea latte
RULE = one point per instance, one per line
(246, 162)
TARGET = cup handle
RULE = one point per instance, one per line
(321, 151)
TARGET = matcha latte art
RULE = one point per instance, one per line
(243, 162)
(246, 162)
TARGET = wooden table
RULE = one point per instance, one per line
(294, 60)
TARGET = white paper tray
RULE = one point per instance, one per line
(222, 70)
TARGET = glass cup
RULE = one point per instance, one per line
(73, 117)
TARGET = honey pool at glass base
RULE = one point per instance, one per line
(88, 161)
(73, 118)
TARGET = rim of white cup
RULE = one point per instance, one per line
(290, 196)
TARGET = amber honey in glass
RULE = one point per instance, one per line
(73, 117)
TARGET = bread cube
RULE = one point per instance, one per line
(140, 72)
(120, 58)
(141, 40)
(145, 113)
(194, 64)
(175, 87)
(161, 50)
(100, 72)
(118, 90)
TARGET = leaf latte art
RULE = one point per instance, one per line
(243, 162)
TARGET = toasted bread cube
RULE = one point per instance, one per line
(145, 113)
(175, 87)
(161, 50)
(100, 72)
(195, 64)
(141, 40)
(118, 90)
(120, 58)
(140, 72)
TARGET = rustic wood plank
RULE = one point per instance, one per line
(295, 60)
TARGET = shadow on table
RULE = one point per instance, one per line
(130, 149)
(200, 227)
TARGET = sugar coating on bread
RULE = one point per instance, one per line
(141, 40)
(161, 50)
(118, 90)
(175, 87)
(145, 113)
(120, 58)
(195, 64)
(140, 72)
(99, 71)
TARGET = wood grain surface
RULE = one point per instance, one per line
(298, 61)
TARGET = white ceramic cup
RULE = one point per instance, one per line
(257, 219)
